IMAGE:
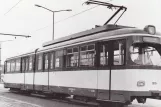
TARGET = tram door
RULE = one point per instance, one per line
(112, 57)
(46, 58)
(27, 67)
(104, 70)
(41, 72)
(24, 71)
(117, 70)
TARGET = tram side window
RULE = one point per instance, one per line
(59, 59)
(5, 67)
(39, 60)
(119, 51)
(46, 57)
(13, 65)
(11, 69)
(104, 54)
(27, 64)
(87, 55)
(51, 60)
(18, 65)
(30, 63)
(72, 57)
(8, 66)
(23, 65)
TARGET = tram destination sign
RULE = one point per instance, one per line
(151, 39)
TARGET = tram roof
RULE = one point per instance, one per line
(98, 29)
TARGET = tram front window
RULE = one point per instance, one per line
(146, 54)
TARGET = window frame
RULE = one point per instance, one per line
(86, 51)
(18, 71)
(53, 63)
(27, 63)
(123, 40)
(7, 66)
(13, 67)
(37, 63)
(23, 69)
(32, 69)
(67, 54)
(110, 50)
(107, 49)
(48, 55)
(62, 59)
(23, 66)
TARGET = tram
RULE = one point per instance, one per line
(110, 63)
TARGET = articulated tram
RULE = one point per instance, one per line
(108, 63)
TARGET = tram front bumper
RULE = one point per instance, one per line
(147, 94)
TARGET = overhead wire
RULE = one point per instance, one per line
(13, 7)
(76, 14)
(65, 19)
(55, 22)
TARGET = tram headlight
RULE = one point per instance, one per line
(141, 83)
(150, 29)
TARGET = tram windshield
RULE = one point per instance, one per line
(146, 54)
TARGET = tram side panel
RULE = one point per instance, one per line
(41, 81)
(103, 84)
(135, 82)
(14, 80)
(83, 83)
(29, 81)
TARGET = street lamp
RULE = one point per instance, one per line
(53, 14)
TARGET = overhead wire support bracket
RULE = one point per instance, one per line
(27, 36)
(110, 6)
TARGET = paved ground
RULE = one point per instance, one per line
(9, 99)
(7, 102)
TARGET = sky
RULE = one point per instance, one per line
(27, 19)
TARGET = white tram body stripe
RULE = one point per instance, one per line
(41, 78)
(103, 79)
(126, 80)
(80, 79)
(28, 78)
(14, 78)
(121, 79)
